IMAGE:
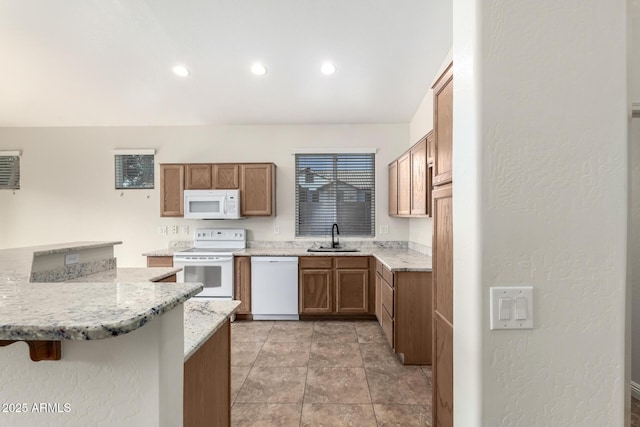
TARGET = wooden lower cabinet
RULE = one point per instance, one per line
(169, 279)
(405, 313)
(159, 261)
(335, 285)
(242, 284)
(207, 382)
(442, 372)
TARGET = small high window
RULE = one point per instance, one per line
(134, 169)
(10, 170)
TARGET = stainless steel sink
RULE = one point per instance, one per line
(323, 249)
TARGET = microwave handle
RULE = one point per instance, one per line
(225, 205)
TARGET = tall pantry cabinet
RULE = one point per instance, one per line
(443, 251)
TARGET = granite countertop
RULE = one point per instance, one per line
(15, 263)
(202, 318)
(393, 259)
(88, 308)
(163, 252)
(84, 311)
(144, 274)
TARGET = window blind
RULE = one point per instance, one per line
(10, 172)
(335, 188)
(134, 171)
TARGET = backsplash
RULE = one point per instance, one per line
(73, 271)
(304, 244)
(418, 247)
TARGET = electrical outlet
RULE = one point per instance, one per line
(185, 229)
(71, 259)
(276, 229)
(162, 230)
(174, 229)
(384, 229)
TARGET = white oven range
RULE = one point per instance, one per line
(210, 261)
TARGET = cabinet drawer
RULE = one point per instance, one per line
(387, 326)
(315, 262)
(387, 275)
(159, 261)
(352, 262)
(387, 297)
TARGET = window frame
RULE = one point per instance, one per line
(12, 171)
(354, 158)
(120, 181)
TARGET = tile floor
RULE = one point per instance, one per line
(324, 373)
(327, 373)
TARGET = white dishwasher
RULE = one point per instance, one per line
(274, 288)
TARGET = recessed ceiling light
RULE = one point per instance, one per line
(181, 70)
(258, 69)
(328, 68)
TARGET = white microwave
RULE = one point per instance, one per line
(212, 204)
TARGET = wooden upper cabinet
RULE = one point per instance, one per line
(431, 147)
(404, 184)
(257, 189)
(198, 177)
(393, 188)
(443, 121)
(171, 190)
(226, 176)
(419, 179)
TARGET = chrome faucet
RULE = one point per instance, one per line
(335, 228)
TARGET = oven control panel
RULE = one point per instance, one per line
(226, 234)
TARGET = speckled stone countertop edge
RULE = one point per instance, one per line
(78, 246)
(202, 319)
(97, 331)
(396, 260)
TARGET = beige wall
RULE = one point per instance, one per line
(634, 200)
(67, 190)
(421, 229)
(540, 199)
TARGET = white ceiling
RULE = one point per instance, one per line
(108, 62)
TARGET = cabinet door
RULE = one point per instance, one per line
(393, 188)
(198, 177)
(443, 121)
(257, 188)
(242, 283)
(352, 291)
(431, 147)
(378, 298)
(404, 184)
(419, 178)
(226, 177)
(443, 305)
(159, 261)
(207, 378)
(315, 292)
(171, 190)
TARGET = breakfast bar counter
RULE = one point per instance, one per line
(111, 347)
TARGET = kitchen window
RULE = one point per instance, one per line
(10, 170)
(134, 169)
(335, 188)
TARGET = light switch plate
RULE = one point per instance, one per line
(518, 300)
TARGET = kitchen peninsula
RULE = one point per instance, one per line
(116, 351)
